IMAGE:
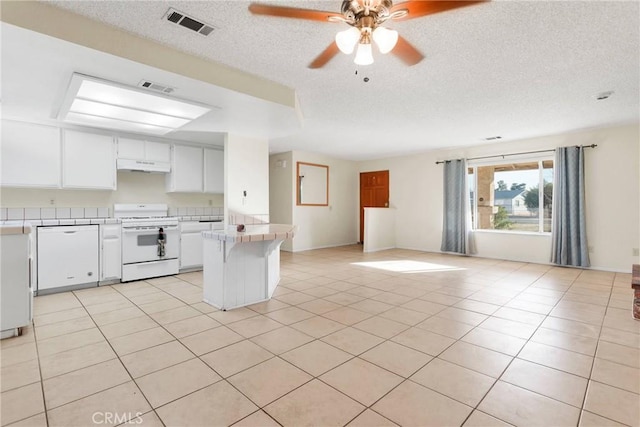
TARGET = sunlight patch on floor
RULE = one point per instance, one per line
(408, 266)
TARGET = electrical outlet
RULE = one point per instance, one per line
(52, 202)
(590, 248)
(635, 252)
(210, 202)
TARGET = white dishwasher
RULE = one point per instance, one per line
(67, 256)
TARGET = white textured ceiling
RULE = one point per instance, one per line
(510, 68)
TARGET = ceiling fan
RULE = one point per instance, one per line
(366, 19)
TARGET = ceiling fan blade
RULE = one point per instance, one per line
(326, 56)
(405, 51)
(291, 12)
(420, 8)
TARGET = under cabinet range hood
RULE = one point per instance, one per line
(143, 166)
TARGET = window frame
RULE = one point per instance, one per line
(472, 168)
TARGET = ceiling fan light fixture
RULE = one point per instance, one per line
(364, 54)
(385, 38)
(347, 40)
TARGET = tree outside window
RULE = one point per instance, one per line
(507, 196)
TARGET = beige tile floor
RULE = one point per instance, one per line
(394, 338)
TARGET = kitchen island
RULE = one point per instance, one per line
(242, 268)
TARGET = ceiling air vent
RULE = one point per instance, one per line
(183, 20)
(156, 87)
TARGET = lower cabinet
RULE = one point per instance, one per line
(191, 242)
(110, 252)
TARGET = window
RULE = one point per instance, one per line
(507, 196)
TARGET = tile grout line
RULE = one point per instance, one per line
(116, 353)
(372, 316)
(593, 362)
(222, 378)
(516, 356)
(44, 400)
(121, 363)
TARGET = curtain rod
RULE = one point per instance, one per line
(517, 154)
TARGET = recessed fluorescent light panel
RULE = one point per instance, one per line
(100, 103)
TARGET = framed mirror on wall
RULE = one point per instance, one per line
(312, 187)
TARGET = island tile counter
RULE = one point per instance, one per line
(253, 233)
(242, 268)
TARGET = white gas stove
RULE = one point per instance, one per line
(150, 241)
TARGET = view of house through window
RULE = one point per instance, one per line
(508, 197)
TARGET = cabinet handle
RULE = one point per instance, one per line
(71, 232)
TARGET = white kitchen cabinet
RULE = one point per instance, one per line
(88, 161)
(16, 295)
(157, 151)
(110, 252)
(191, 242)
(30, 155)
(186, 169)
(130, 149)
(213, 171)
(137, 149)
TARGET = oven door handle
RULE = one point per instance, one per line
(148, 229)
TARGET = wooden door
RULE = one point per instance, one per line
(374, 193)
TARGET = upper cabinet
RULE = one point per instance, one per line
(213, 171)
(196, 170)
(145, 156)
(30, 155)
(186, 170)
(132, 149)
(157, 151)
(135, 149)
(41, 156)
(88, 161)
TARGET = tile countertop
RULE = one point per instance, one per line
(71, 221)
(94, 221)
(15, 227)
(253, 233)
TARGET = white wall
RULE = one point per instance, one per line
(282, 191)
(133, 187)
(379, 229)
(318, 226)
(612, 192)
(415, 191)
(246, 165)
(613, 196)
(333, 225)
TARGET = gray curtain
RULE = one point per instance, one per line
(456, 227)
(569, 231)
